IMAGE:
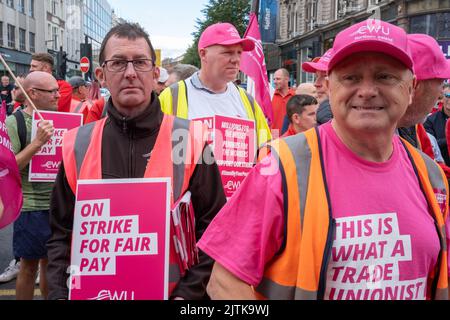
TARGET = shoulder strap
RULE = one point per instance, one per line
(78, 107)
(21, 129)
(250, 98)
(175, 90)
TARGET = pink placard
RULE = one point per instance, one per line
(44, 165)
(234, 145)
(120, 243)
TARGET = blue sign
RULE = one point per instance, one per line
(268, 20)
(445, 46)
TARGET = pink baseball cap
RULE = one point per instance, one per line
(320, 65)
(429, 60)
(224, 34)
(372, 35)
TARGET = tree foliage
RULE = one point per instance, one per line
(235, 12)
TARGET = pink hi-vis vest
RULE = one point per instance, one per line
(82, 161)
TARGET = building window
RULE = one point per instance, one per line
(31, 8)
(55, 38)
(10, 3)
(21, 6)
(55, 7)
(1, 33)
(424, 24)
(32, 42)
(11, 36)
(22, 39)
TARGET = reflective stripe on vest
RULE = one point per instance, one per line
(82, 160)
(78, 107)
(299, 271)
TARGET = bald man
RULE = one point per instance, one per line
(282, 95)
(44, 62)
(307, 88)
(32, 229)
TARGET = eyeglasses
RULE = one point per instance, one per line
(53, 92)
(120, 65)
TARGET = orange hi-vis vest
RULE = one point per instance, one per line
(82, 161)
(81, 107)
(299, 270)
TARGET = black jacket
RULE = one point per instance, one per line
(324, 113)
(435, 125)
(124, 146)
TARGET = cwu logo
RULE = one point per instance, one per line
(372, 26)
(114, 295)
(51, 165)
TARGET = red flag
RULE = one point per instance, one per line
(10, 185)
(253, 65)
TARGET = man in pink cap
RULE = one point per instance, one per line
(431, 69)
(211, 91)
(319, 67)
(350, 211)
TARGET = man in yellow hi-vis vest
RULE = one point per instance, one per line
(211, 91)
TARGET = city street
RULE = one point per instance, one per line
(8, 290)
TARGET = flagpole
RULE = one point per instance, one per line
(255, 7)
(20, 86)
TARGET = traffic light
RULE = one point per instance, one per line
(61, 64)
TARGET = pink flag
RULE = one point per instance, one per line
(253, 65)
(10, 184)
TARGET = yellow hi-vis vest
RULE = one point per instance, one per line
(178, 92)
(299, 271)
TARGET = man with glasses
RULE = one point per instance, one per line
(132, 139)
(32, 229)
(44, 62)
(436, 125)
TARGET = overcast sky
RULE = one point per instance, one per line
(170, 23)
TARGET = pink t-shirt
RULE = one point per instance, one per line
(378, 251)
(385, 241)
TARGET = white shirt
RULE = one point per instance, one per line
(204, 103)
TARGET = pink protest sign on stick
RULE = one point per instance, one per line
(45, 164)
(234, 145)
(120, 243)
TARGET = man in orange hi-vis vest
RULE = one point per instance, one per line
(134, 141)
(351, 211)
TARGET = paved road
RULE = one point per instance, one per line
(8, 290)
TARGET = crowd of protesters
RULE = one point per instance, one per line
(350, 203)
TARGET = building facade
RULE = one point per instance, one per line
(31, 26)
(21, 33)
(73, 35)
(96, 24)
(307, 28)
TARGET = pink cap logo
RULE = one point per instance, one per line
(233, 33)
(372, 26)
